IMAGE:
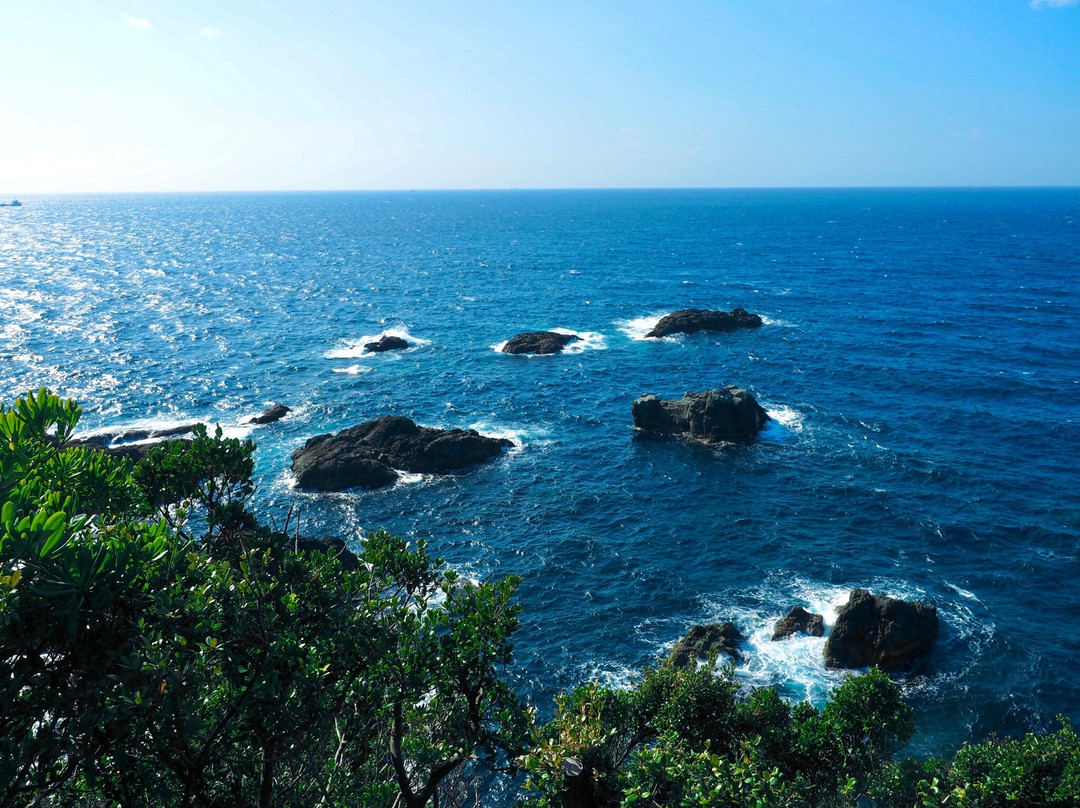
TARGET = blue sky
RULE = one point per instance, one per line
(313, 94)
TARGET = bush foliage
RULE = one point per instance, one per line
(159, 647)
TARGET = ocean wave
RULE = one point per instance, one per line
(783, 420)
(775, 321)
(354, 370)
(637, 327)
(354, 348)
(520, 436)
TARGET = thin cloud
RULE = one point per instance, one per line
(211, 32)
(1053, 3)
(138, 22)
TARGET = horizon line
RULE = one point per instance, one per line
(526, 189)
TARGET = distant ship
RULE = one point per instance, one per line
(14, 203)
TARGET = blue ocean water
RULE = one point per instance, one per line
(920, 359)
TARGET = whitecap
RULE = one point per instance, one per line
(590, 341)
(783, 422)
(773, 321)
(354, 348)
(354, 370)
(637, 327)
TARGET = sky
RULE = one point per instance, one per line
(217, 95)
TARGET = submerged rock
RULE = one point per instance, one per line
(799, 621)
(539, 342)
(725, 414)
(386, 343)
(689, 321)
(269, 415)
(879, 630)
(366, 456)
(701, 641)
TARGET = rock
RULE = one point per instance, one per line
(122, 443)
(798, 621)
(333, 544)
(689, 321)
(366, 455)
(726, 414)
(879, 630)
(386, 343)
(274, 413)
(703, 640)
(539, 342)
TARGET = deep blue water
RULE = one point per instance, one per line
(921, 358)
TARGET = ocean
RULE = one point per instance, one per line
(920, 359)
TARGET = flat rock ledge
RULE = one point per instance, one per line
(722, 415)
(799, 621)
(879, 630)
(386, 343)
(701, 641)
(539, 342)
(370, 454)
(690, 321)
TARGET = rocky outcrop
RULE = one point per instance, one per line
(386, 343)
(689, 321)
(539, 342)
(131, 443)
(879, 630)
(701, 641)
(269, 415)
(799, 621)
(366, 456)
(332, 544)
(726, 414)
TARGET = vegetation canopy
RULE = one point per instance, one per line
(160, 647)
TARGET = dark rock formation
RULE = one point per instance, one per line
(275, 413)
(386, 343)
(879, 630)
(726, 414)
(689, 321)
(798, 621)
(539, 342)
(122, 442)
(703, 640)
(366, 455)
(332, 544)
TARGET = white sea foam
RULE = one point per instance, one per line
(590, 341)
(963, 592)
(783, 424)
(521, 437)
(354, 348)
(638, 327)
(354, 370)
(774, 321)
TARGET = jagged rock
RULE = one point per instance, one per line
(689, 321)
(122, 442)
(879, 630)
(386, 343)
(799, 621)
(726, 414)
(539, 342)
(701, 641)
(271, 414)
(333, 544)
(366, 455)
